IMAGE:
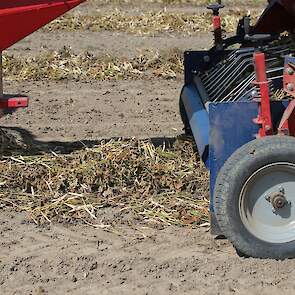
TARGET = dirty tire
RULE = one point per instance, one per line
(187, 129)
(245, 162)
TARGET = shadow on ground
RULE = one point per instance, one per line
(15, 140)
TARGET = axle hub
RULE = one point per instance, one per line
(277, 199)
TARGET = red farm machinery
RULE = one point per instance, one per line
(238, 104)
(20, 18)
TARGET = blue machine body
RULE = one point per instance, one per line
(231, 126)
(219, 129)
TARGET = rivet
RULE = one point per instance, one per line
(290, 87)
(290, 71)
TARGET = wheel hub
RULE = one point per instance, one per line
(277, 199)
(266, 203)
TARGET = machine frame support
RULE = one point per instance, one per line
(287, 124)
(264, 119)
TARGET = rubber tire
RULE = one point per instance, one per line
(231, 178)
(187, 129)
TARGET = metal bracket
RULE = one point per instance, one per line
(264, 119)
(10, 102)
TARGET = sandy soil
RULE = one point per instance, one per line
(75, 111)
(112, 43)
(62, 259)
(80, 260)
(141, 108)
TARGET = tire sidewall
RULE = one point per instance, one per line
(230, 182)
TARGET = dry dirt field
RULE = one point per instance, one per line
(135, 95)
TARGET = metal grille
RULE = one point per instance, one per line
(231, 79)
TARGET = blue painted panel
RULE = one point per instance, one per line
(231, 126)
(199, 120)
(289, 59)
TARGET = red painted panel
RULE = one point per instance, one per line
(277, 17)
(20, 18)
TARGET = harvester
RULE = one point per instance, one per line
(238, 104)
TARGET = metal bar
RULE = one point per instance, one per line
(264, 117)
(222, 66)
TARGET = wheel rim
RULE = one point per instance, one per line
(267, 203)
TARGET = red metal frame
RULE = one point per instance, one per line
(14, 102)
(264, 119)
(289, 79)
(20, 18)
(216, 20)
(287, 125)
(279, 16)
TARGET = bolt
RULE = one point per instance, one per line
(290, 87)
(290, 71)
(206, 58)
(254, 93)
